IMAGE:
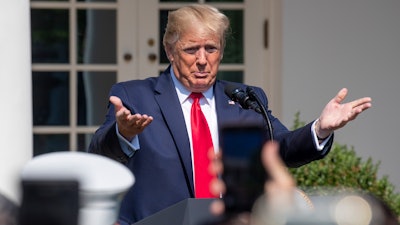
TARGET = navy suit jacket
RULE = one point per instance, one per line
(162, 166)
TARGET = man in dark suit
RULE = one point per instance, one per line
(148, 125)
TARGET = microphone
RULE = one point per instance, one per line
(249, 100)
(238, 95)
(253, 95)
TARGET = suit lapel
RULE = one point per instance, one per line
(170, 107)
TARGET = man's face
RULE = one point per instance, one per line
(195, 59)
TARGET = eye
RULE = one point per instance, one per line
(211, 49)
(192, 50)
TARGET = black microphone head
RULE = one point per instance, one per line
(237, 94)
(230, 89)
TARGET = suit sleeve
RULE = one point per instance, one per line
(105, 140)
(297, 147)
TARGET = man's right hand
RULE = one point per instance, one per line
(129, 125)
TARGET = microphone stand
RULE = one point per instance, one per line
(254, 96)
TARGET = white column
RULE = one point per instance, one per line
(15, 94)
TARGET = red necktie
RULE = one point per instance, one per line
(202, 142)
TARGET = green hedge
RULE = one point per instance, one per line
(343, 170)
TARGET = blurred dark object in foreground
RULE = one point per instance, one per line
(49, 203)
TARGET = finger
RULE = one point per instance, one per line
(147, 121)
(116, 102)
(216, 166)
(270, 157)
(274, 165)
(359, 109)
(146, 118)
(140, 120)
(122, 113)
(217, 207)
(363, 102)
(217, 187)
(341, 95)
(215, 156)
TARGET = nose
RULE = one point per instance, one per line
(201, 56)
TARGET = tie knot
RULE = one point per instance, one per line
(196, 95)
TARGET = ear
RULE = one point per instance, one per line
(170, 53)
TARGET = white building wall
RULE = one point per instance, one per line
(330, 44)
(15, 94)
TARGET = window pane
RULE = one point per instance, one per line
(96, 0)
(49, 0)
(228, 1)
(234, 43)
(49, 36)
(83, 142)
(50, 98)
(178, 0)
(46, 143)
(163, 24)
(235, 76)
(93, 88)
(96, 36)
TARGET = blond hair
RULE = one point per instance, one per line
(181, 20)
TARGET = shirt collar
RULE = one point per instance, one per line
(183, 93)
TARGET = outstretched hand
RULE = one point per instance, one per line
(337, 114)
(129, 125)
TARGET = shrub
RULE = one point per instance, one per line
(343, 170)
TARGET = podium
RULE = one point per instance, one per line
(187, 212)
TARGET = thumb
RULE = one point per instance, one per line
(116, 102)
(341, 95)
